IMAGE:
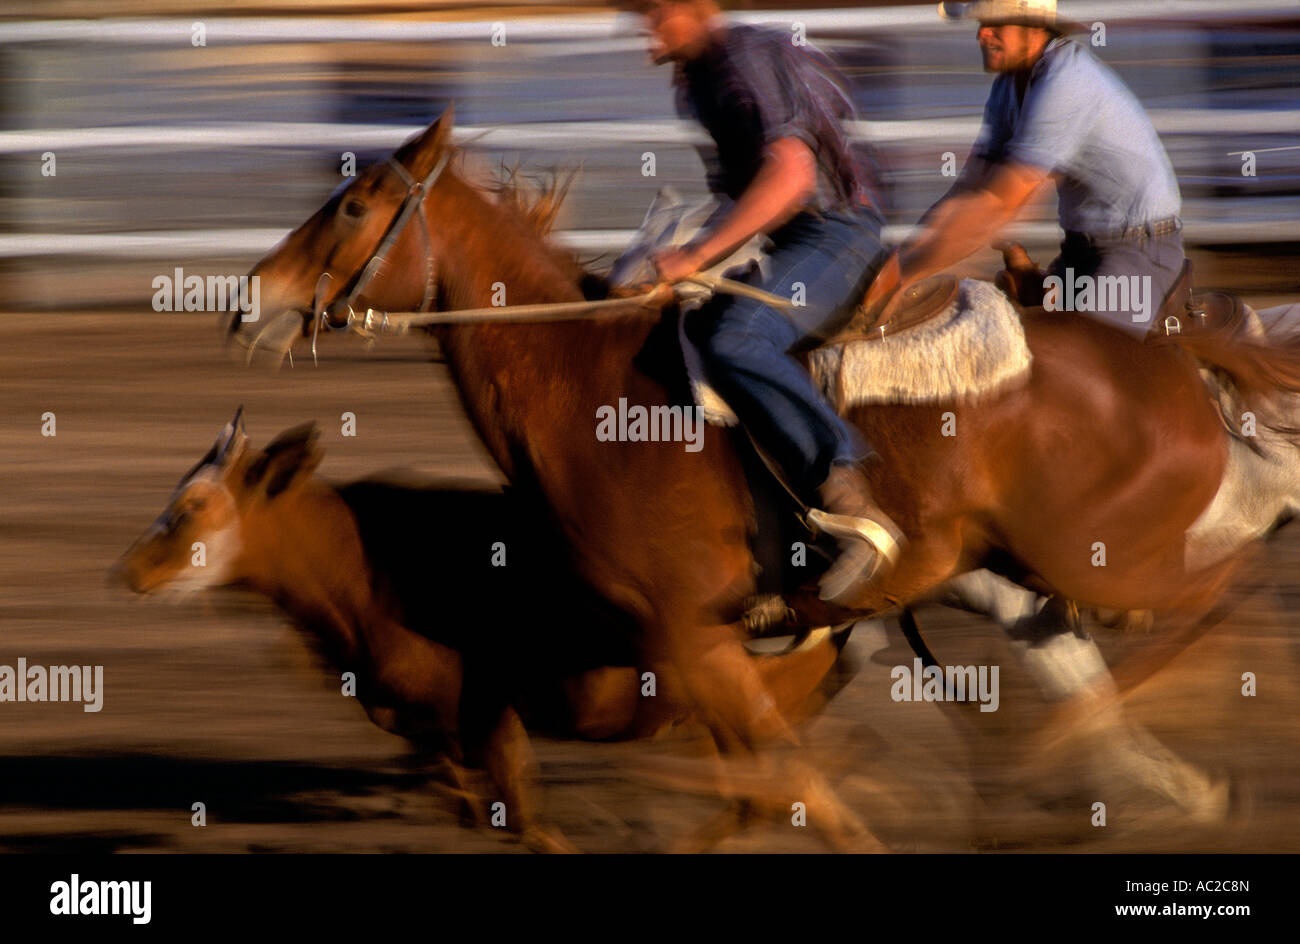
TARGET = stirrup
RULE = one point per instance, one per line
(885, 546)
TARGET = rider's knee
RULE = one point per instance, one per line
(724, 346)
(736, 345)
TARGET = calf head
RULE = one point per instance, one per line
(200, 538)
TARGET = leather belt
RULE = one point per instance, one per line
(1163, 227)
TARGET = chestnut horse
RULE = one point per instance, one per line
(1082, 482)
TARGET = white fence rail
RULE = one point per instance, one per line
(196, 244)
(555, 36)
(595, 27)
(565, 135)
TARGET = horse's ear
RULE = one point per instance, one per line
(421, 152)
(286, 461)
(438, 135)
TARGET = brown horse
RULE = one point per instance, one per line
(375, 572)
(1082, 482)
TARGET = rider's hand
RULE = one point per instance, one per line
(888, 281)
(675, 264)
(1021, 280)
(647, 294)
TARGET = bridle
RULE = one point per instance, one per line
(371, 322)
(416, 191)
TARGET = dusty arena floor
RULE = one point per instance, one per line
(218, 699)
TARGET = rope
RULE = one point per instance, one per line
(403, 321)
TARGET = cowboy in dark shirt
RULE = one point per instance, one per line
(774, 110)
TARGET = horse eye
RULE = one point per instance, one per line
(354, 209)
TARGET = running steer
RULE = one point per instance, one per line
(442, 601)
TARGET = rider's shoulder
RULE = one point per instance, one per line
(1065, 57)
(1071, 69)
(747, 37)
(750, 43)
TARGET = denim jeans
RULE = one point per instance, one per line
(829, 260)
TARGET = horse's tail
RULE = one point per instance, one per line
(1261, 368)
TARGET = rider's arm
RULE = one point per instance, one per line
(962, 224)
(784, 182)
(974, 175)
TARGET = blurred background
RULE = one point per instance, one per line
(169, 153)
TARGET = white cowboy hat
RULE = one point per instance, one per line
(1024, 12)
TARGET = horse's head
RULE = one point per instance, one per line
(368, 246)
(200, 537)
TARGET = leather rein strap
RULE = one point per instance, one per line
(400, 322)
(415, 194)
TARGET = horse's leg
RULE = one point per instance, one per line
(985, 593)
(1090, 697)
(723, 685)
(734, 819)
(452, 779)
(1071, 672)
(461, 789)
(512, 765)
(492, 738)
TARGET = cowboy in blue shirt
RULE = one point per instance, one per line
(773, 110)
(1056, 112)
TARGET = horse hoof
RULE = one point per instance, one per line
(549, 841)
(1215, 803)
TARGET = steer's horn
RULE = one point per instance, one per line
(232, 438)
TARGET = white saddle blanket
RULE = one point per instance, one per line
(975, 348)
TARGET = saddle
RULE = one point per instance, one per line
(1181, 313)
(905, 311)
(1186, 314)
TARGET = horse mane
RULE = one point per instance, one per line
(538, 203)
(537, 200)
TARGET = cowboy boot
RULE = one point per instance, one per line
(869, 541)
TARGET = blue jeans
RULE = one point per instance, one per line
(746, 344)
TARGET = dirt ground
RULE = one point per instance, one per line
(218, 699)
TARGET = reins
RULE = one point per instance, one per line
(415, 193)
(401, 322)
(372, 323)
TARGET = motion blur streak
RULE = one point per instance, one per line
(172, 154)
